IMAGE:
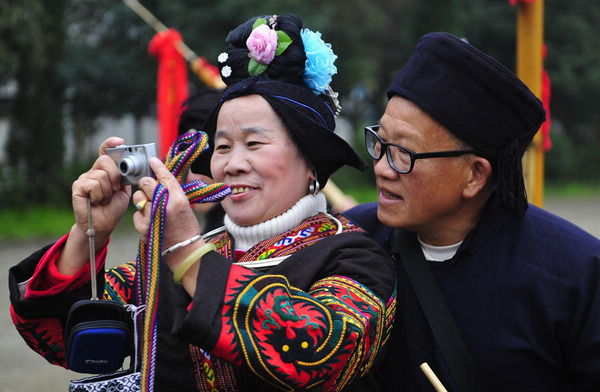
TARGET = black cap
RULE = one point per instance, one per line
(480, 101)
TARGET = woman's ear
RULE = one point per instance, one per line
(312, 176)
(480, 175)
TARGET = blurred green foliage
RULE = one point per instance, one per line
(73, 61)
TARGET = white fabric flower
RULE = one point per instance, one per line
(226, 71)
(223, 57)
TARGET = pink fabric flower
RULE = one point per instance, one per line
(262, 44)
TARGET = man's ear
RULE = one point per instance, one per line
(480, 175)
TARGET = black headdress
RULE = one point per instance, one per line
(307, 117)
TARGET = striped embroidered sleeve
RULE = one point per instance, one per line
(44, 335)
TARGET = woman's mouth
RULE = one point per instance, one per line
(239, 189)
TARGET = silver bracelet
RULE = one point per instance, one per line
(181, 245)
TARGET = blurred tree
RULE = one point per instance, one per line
(34, 40)
(573, 63)
(491, 25)
(87, 58)
(106, 64)
(11, 15)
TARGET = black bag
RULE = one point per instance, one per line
(97, 336)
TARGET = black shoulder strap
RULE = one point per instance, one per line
(438, 315)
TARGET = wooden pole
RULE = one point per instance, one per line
(530, 38)
(158, 26)
(435, 382)
(187, 53)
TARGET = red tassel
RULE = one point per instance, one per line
(172, 85)
(208, 73)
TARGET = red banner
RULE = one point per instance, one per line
(515, 2)
(546, 102)
(171, 87)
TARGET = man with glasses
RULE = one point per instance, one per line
(520, 284)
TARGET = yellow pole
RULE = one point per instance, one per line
(530, 38)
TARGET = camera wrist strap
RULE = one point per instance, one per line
(440, 320)
(180, 156)
(91, 233)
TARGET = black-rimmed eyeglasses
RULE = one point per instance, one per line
(401, 159)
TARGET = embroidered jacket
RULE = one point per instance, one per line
(316, 321)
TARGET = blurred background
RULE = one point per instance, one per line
(75, 71)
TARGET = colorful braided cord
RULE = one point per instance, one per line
(180, 156)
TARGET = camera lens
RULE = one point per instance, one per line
(130, 165)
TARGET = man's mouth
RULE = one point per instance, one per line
(390, 196)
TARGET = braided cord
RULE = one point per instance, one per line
(180, 156)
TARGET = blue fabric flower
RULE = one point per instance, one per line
(319, 61)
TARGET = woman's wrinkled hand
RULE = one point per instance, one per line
(100, 186)
(180, 223)
(109, 199)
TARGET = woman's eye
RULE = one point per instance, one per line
(221, 146)
(253, 143)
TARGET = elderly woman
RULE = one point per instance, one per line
(287, 296)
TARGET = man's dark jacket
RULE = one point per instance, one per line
(525, 294)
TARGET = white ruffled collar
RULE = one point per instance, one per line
(248, 236)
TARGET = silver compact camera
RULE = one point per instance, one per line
(133, 161)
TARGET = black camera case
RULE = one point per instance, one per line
(98, 336)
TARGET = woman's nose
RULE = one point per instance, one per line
(237, 163)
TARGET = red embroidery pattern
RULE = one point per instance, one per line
(120, 283)
(307, 233)
(290, 339)
(43, 336)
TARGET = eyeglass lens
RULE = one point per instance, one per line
(397, 157)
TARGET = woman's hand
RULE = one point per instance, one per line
(180, 223)
(109, 199)
(101, 184)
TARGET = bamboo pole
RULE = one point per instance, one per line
(338, 200)
(158, 26)
(435, 382)
(191, 57)
(530, 37)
